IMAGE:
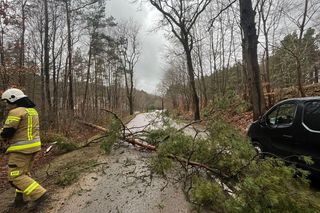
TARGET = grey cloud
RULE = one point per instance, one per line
(149, 69)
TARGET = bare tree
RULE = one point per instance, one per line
(46, 66)
(130, 50)
(181, 16)
(301, 20)
(269, 14)
(22, 41)
(199, 51)
(69, 59)
(96, 22)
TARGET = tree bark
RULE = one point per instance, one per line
(299, 75)
(316, 74)
(42, 78)
(203, 82)
(96, 83)
(267, 69)
(2, 61)
(129, 88)
(131, 93)
(249, 45)
(70, 68)
(87, 79)
(55, 74)
(46, 55)
(297, 55)
(264, 18)
(192, 82)
(304, 17)
(22, 45)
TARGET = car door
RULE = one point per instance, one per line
(282, 132)
(311, 126)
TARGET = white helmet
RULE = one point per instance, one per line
(12, 95)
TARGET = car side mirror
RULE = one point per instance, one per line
(262, 121)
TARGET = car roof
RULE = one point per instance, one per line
(301, 100)
(304, 99)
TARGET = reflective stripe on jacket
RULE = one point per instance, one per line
(25, 146)
(27, 136)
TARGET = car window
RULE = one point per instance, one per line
(286, 114)
(272, 117)
(311, 117)
(282, 115)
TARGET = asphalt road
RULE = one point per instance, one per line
(126, 184)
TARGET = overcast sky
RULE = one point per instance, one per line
(150, 68)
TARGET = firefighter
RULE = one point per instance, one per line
(21, 133)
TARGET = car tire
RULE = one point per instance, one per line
(258, 148)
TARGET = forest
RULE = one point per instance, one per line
(72, 58)
(226, 63)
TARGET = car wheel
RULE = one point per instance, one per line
(258, 148)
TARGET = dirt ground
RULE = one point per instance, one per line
(47, 173)
(125, 184)
(122, 183)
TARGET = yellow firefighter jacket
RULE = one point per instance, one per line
(26, 139)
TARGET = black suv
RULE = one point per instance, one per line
(290, 129)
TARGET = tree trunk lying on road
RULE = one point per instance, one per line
(93, 126)
(150, 147)
(130, 140)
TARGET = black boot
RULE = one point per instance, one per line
(18, 201)
(39, 202)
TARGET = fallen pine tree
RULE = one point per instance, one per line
(222, 172)
(144, 144)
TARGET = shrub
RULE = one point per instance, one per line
(231, 102)
(72, 171)
(160, 164)
(270, 186)
(158, 135)
(63, 144)
(208, 194)
(67, 146)
(67, 178)
(50, 137)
